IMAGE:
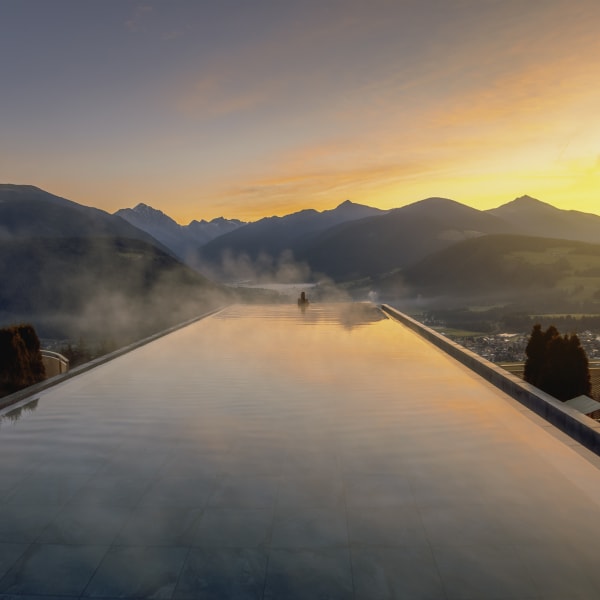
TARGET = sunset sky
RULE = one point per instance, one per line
(247, 109)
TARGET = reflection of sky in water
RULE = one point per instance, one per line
(332, 444)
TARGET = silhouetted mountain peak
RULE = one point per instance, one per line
(145, 208)
(27, 211)
(183, 240)
(439, 208)
(19, 189)
(437, 202)
(10, 192)
(224, 221)
(273, 235)
(349, 208)
(527, 203)
(143, 215)
(345, 204)
(217, 221)
(534, 217)
(528, 199)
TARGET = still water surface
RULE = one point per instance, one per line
(284, 453)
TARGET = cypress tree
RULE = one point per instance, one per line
(556, 374)
(582, 382)
(536, 352)
(557, 364)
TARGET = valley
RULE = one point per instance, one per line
(79, 273)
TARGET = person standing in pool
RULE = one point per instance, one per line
(303, 300)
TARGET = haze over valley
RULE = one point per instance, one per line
(78, 271)
(436, 250)
(373, 149)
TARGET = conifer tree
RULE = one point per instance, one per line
(557, 364)
(556, 374)
(536, 352)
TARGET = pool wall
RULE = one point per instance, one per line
(581, 428)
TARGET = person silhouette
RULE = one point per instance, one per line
(303, 300)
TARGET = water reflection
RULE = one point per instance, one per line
(346, 314)
(359, 313)
(325, 440)
(13, 415)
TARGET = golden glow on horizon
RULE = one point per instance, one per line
(478, 102)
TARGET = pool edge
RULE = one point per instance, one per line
(582, 429)
(31, 390)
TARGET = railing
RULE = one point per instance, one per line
(54, 363)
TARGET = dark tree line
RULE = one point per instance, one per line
(557, 364)
(509, 319)
(20, 358)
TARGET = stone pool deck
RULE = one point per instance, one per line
(268, 452)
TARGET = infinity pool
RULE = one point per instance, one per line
(269, 452)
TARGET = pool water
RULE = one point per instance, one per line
(279, 452)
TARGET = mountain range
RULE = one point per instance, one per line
(62, 260)
(27, 212)
(353, 241)
(183, 240)
(296, 232)
(400, 237)
(78, 272)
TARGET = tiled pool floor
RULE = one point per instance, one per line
(266, 452)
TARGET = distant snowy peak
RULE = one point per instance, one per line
(142, 214)
(213, 229)
(183, 240)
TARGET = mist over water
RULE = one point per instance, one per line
(242, 268)
(329, 435)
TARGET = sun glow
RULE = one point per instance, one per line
(383, 104)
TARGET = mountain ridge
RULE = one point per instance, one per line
(531, 216)
(73, 271)
(28, 211)
(350, 241)
(505, 268)
(394, 240)
(273, 235)
(183, 240)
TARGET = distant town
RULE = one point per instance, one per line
(508, 349)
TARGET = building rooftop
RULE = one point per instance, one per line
(273, 452)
